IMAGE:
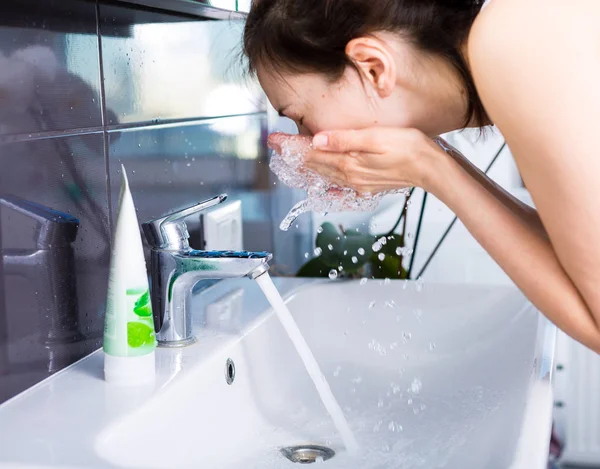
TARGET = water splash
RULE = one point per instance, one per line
(416, 386)
(287, 162)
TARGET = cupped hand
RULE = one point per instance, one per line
(373, 160)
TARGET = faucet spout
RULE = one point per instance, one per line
(175, 275)
(177, 270)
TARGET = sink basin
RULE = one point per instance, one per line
(432, 375)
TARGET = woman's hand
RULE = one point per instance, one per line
(374, 160)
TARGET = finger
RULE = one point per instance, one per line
(278, 141)
(345, 141)
(316, 160)
(331, 175)
(275, 141)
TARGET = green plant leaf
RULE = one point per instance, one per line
(314, 268)
(329, 240)
(143, 307)
(339, 248)
(391, 265)
(353, 244)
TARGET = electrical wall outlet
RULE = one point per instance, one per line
(222, 227)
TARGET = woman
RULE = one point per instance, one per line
(375, 80)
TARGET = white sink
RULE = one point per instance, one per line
(433, 376)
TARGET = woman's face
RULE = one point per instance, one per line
(393, 85)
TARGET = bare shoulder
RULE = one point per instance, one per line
(523, 53)
(506, 23)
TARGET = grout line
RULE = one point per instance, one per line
(35, 136)
(189, 121)
(186, 121)
(104, 118)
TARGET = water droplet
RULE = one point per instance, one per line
(361, 251)
(341, 268)
(376, 246)
(372, 304)
(416, 386)
(390, 304)
(189, 164)
(330, 247)
(363, 281)
(317, 252)
(354, 260)
(333, 274)
(306, 255)
(403, 251)
(406, 336)
(381, 256)
(320, 229)
(386, 281)
(432, 346)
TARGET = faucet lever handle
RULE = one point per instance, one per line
(170, 231)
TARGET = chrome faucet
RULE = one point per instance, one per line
(176, 268)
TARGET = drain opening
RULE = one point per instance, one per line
(229, 371)
(308, 454)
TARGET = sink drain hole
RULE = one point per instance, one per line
(308, 454)
(229, 371)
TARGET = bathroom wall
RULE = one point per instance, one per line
(86, 86)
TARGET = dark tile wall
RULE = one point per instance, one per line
(84, 87)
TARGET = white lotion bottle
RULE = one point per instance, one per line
(129, 338)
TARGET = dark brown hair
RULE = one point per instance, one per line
(304, 36)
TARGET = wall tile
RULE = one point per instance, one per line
(49, 72)
(166, 67)
(157, 67)
(54, 290)
(173, 166)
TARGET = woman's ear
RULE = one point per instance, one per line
(375, 63)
